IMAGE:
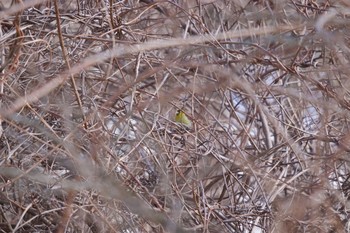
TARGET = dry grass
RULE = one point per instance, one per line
(89, 90)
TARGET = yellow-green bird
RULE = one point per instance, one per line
(181, 118)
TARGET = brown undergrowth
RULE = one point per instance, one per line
(89, 92)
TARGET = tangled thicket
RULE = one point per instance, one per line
(89, 90)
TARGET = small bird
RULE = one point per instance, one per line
(181, 118)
